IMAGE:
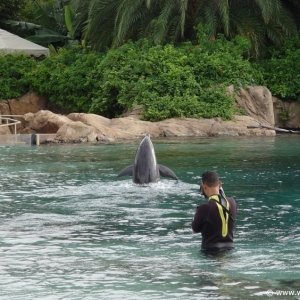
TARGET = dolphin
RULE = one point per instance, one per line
(145, 169)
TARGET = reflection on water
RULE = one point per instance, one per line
(70, 229)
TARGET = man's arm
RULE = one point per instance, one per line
(199, 218)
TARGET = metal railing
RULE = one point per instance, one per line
(10, 121)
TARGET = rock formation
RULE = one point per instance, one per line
(43, 121)
(25, 104)
(287, 114)
(257, 103)
(126, 128)
(37, 115)
(77, 132)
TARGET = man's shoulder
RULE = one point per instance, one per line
(204, 205)
(232, 203)
(231, 199)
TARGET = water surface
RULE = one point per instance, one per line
(70, 229)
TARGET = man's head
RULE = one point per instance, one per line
(210, 178)
(210, 183)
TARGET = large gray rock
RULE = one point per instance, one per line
(257, 102)
(100, 123)
(286, 114)
(133, 127)
(119, 128)
(127, 128)
(212, 127)
(43, 121)
(65, 129)
(27, 103)
(77, 132)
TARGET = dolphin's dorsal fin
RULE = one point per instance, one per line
(166, 172)
(128, 171)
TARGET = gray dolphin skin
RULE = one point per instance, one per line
(145, 169)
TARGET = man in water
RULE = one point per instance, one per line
(215, 218)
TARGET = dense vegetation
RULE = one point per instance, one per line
(281, 70)
(107, 23)
(154, 53)
(184, 81)
(10, 10)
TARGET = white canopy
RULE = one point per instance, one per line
(11, 43)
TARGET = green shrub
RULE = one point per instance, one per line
(12, 71)
(282, 70)
(184, 81)
(65, 79)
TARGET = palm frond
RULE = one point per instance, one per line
(107, 23)
(211, 19)
(162, 21)
(124, 18)
(224, 14)
(99, 28)
(183, 10)
(268, 8)
(284, 18)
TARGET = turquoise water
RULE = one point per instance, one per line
(70, 229)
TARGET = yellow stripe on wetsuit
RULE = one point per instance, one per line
(225, 218)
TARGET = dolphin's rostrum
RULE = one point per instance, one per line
(145, 168)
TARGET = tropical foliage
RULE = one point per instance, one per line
(184, 81)
(66, 79)
(155, 53)
(56, 20)
(282, 70)
(106, 23)
(47, 22)
(10, 10)
(111, 23)
(12, 71)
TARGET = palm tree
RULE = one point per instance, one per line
(294, 7)
(109, 23)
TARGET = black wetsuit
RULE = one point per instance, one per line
(207, 220)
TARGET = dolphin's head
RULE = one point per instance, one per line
(145, 151)
(145, 166)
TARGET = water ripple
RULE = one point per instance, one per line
(69, 229)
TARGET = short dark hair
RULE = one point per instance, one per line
(210, 178)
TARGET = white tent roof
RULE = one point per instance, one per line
(11, 43)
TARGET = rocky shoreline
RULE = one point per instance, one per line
(38, 116)
(90, 128)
